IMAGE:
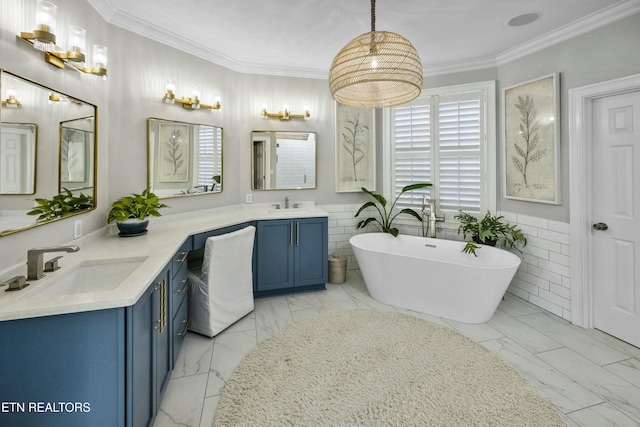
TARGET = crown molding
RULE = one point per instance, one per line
(144, 28)
(459, 67)
(114, 16)
(589, 23)
(106, 8)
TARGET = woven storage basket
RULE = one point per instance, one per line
(337, 269)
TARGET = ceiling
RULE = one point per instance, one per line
(300, 38)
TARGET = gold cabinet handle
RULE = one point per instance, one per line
(184, 287)
(184, 257)
(162, 322)
(184, 330)
(163, 309)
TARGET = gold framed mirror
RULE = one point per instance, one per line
(183, 159)
(33, 117)
(283, 160)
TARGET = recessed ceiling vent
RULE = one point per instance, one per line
(524, 19)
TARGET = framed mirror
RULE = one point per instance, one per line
(283, 160)
(34, 189)
(184, 159)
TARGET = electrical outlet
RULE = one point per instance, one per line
(248, 198)
(77, 229)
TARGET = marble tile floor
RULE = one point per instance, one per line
(591, 377)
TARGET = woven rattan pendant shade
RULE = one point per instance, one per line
(376, 69)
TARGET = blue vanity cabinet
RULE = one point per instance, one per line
(311, 252)
(97, 368)
(63, 370)
(149, 361)
(274, 256)
(291, 255)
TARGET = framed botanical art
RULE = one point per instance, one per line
(73, 155)
(355, 149)
(173, 152)
(531, 140)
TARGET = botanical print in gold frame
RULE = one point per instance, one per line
(173, 148)
(531, 138)
(355, 149)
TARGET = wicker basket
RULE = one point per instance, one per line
(337, 269)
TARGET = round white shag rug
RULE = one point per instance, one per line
(375, 368)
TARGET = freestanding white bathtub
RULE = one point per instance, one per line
(434, 276)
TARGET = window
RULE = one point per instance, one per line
(444, 137)
(209, 154)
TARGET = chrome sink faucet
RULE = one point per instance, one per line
(35, 264)
(286, 202)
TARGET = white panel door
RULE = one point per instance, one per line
(11, 161)
(616, 232)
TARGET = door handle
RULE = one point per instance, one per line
(600, 226)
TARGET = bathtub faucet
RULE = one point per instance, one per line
(432, 216)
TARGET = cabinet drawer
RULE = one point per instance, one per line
(180, 325)
(180, 257)
(179, 287)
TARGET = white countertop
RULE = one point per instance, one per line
(165, 236)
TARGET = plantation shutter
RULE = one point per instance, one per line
(440, 139)
(412, 150)
(460, 136)
(209, 154)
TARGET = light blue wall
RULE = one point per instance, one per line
(133, 91)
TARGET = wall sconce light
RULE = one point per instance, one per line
(284, 114)
(44, 38)
(190, 103)
(12, 99)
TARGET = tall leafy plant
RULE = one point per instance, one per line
(386, 217)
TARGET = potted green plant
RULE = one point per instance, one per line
(131, 212)
(385, 223)
(216, 181)
(61, 205)
(489, 230)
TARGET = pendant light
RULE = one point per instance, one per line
(376, 69)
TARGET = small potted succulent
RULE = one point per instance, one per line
(131, 212)
(489, 230)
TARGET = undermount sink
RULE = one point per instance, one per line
(288, 212)
(89, 276)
